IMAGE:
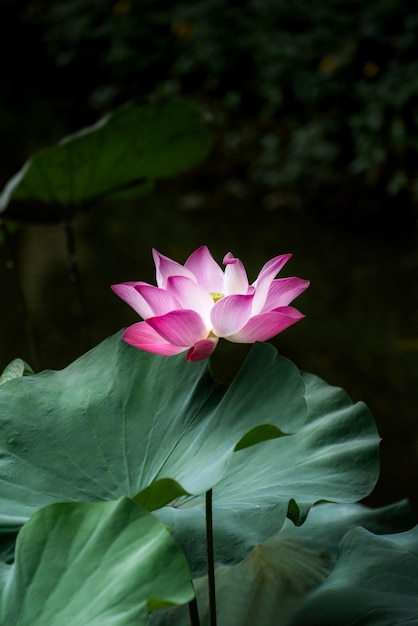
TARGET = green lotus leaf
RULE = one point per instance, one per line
(106, 564)
(122, 153)
(275, 580)
(374, 582)
(122, 422)
(332, 456)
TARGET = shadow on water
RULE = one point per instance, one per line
(360, 332)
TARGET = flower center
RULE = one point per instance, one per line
(216, 296)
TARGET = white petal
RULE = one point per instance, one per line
(236, 281)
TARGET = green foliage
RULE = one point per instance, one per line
(334, 84)
(118, 420)
(87, 453)
(275, 581)
(99, 564)
(284, 476)
(121, 423)
(122, 154)
(373, 582)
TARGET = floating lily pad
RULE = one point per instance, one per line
(122, 153)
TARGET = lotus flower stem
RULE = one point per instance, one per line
(210, 559)
(194, 613)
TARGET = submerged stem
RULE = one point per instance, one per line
(75, 274)
(210, 559)
(11, 264)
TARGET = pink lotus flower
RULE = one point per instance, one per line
(196, 303)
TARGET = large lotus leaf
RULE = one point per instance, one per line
(333, 456)
(104, 564)
(270, 585)
(374, 582)
(119, 421)
(121, 152)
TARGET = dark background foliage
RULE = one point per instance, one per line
(313, 110)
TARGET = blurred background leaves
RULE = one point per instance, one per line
(333, 86)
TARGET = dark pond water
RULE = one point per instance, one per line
(360, 333)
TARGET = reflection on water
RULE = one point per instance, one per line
(361, 328)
